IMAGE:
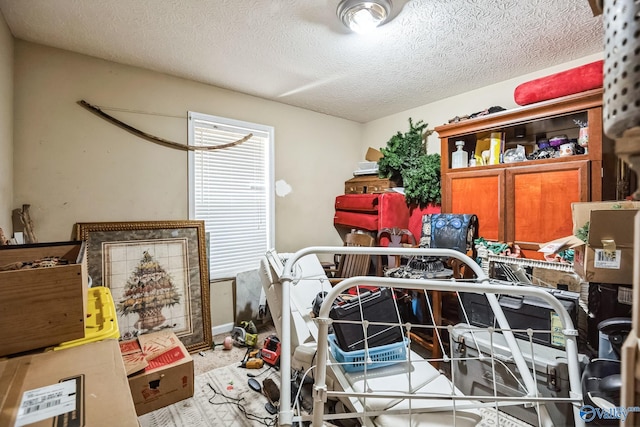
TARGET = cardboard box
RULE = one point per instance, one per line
(581, 211)
(373, 155)
(561, 244)
(79, 386)
(134, 360)
(564, 280)
(608, 256)
(168, 376)
(43, 306)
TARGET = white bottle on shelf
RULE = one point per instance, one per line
(459, 158)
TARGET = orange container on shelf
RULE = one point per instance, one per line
(101, 322)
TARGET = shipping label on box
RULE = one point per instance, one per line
(47, 402)
(79, 386)
(607, 258)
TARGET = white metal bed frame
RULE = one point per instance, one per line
(480, 285)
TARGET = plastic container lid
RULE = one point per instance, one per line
(101, 322)
(557, 141)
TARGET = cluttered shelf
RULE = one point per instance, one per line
(520, 170)
(560, 130)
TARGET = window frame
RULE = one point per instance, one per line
(269, 179)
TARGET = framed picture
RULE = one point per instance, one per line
(158, 275)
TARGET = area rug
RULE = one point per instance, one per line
(222, 397)
(491, 418)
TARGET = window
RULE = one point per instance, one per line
(230, 189)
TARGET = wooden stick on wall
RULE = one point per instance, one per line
(25, 218)
(155, 139)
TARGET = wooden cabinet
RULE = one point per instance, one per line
(528, 202)
(481, 193)
(538, 201)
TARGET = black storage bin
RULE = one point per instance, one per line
(523, 312)
(606, 301)
(377, 306)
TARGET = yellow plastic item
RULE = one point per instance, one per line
(101, 322)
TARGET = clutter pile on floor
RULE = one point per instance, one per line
(390, 389)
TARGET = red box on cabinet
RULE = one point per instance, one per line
(371, 212)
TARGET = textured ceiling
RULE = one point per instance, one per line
(298, 53)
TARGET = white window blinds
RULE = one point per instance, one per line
(230, 189)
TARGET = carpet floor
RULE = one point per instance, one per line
(218, 357)
(222, 397)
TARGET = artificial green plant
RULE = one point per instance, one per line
(405, 161)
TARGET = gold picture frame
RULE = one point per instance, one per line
(158, 275)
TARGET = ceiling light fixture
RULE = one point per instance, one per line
(363, 16)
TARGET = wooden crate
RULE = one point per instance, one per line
(366, 184)
(40, 307)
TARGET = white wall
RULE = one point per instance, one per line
(6, 128)
(378, 132)
(73, 166)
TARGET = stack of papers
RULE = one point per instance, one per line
(366, 168)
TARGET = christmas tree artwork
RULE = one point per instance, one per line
(148, 290)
